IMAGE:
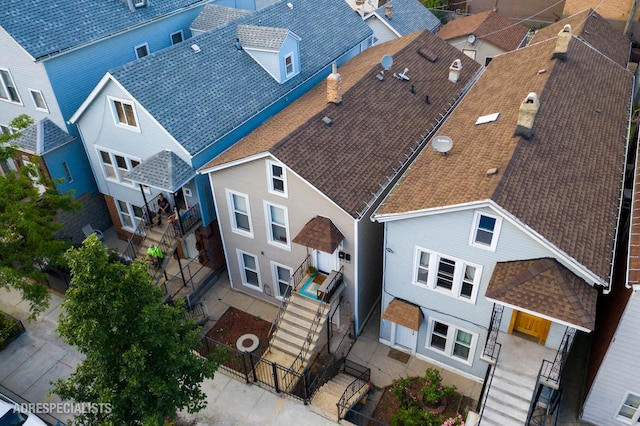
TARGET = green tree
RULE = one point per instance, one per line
(139, 351)
(28, 232)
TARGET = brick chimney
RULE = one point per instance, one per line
(388, 11)
(563, 43)
(528, 109)
(334, 85)
(454, 71)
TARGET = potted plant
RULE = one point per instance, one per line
(312, 271)
(433, 392)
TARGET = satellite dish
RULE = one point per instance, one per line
(442, 144)
(471, 39)
(386, 62)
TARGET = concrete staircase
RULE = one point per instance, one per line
(295, 326)
(325, 400)
(509, 397)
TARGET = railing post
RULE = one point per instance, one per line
(244, 366)
(274, 369)
(253, 369)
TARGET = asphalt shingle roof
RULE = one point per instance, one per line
(214, 16)
(164, 170)
(409, 16)
(220, 87)
(565, 182)
(45, 27)
(42, 137)
(320, 233)
(259, 37)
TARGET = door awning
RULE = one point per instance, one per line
(404, 313)
(164, 170)
(546, 287)
(321, 234)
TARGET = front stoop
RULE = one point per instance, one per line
(509, 397)
(325, 400)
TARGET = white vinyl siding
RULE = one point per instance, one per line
(451, 341)
(277, 225)
(8, 90)
(124, 114)
(629, 411)
(249, 270)
(240, 213)
(115, 165)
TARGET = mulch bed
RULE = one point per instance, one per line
(235, 323)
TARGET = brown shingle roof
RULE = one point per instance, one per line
(305, 107)
(490, 26)
(633, 261)
(321, 234)
(546, 287)
(595, 30)
(617, 10)
(565, 182)
(404, 313)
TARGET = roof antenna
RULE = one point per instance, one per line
(402, 75)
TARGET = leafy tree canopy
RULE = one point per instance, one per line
(27, 235)
(139, 351)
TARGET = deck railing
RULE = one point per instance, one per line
(300, 272)
(492, 337)
(362, 376)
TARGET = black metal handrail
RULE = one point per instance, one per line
(492, 336)
(188, 219)
(300, 272)
(282, 309)
(131, 251)
(551, 372)
(298, 363)
(331, 285)
(324, 375)
(484, 395)
(361, 380)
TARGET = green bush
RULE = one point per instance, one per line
(415, 416)
(8, 330)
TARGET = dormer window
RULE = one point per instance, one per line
(288, 65)
(142, 50)
(277, 178)
(485, 230)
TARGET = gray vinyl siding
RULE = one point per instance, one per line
(98, 129)
(380, 30)
(483, 48)
(619, 372)
(267, 60)
(26, 74)
(303, 203)
(370, 249)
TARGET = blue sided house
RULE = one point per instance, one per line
(54, 53)
(150, 124)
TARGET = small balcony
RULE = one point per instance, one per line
(309, 282)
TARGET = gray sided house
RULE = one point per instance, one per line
(298, 192)
(149, 124)
(397, 18)
(499, 238)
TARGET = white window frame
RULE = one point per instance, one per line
(176, 33)
(8, 129)
(292, 64)
(116, 119)
(67, 171)
(636, 416)
(276, 278)
(269, 221)
(475, 227)
(117, 170)
(450, 340)
(458, 275)
(271, 177)
(471, 53)
(146, 48)
(4, 85)
(130, 213)
(243, 267)
(34, 93)
(232, 213)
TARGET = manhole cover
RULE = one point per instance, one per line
(247, 343)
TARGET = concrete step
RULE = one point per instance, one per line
(514, 406)
(305, 302)
(329, 394)
(493, 417)
(287, 338)
(518, 386)
(298, 328)
(301, 312)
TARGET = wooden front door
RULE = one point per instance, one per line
(531, 325)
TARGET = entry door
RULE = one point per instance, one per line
(405, 337)
(530, 325)
(325, 262)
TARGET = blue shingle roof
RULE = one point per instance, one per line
(214, 16)
(44, 27)
(409, 16)
(42, 137)
(198, 97)
(164, 170)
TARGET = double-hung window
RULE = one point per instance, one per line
(277, 225)
(239, 213)
(8, 91)
(249, 270)
(288, 65)
(277, 178)
(629, 411)
(116, 165)
(38, 100)
(130, 215)
(451, 341)
(281, 279)
(124, 114)
(485, 230)
(446, 274)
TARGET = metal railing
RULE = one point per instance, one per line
(484, 393)
(331, 285)
(551, 372)
(298, 364)
(324, 375)
(551, 408)
(300, 272)
(139, 235)
(188, 220)
(492, 336)
(362, 377)
(360, 419)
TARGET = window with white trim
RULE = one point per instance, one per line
(8, 130)
(38, 100)
(281, 279)
(176, 37)
(451, 341)
(115, 165)
(249, 270)
(8, 90)
(240, 213)
(288, 65)
(142, 50)
(124, 114)
(446, 274)
(629, 411)
(130, 215)
(485, 230)
(277, 225)
(277, 178)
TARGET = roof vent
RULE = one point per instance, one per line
(454, 71)
(326, 120)
(563, 43)
(388, 11)
(290, 5)
(492, 171)
(528, 109)
(195, 48)
(428, 55)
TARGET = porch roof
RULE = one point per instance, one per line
(404, 313)
(321, 234)
(546, 287)
(164, 170)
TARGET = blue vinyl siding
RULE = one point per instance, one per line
(74, 155)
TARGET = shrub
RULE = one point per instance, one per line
(433, 390)
(415, 416)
